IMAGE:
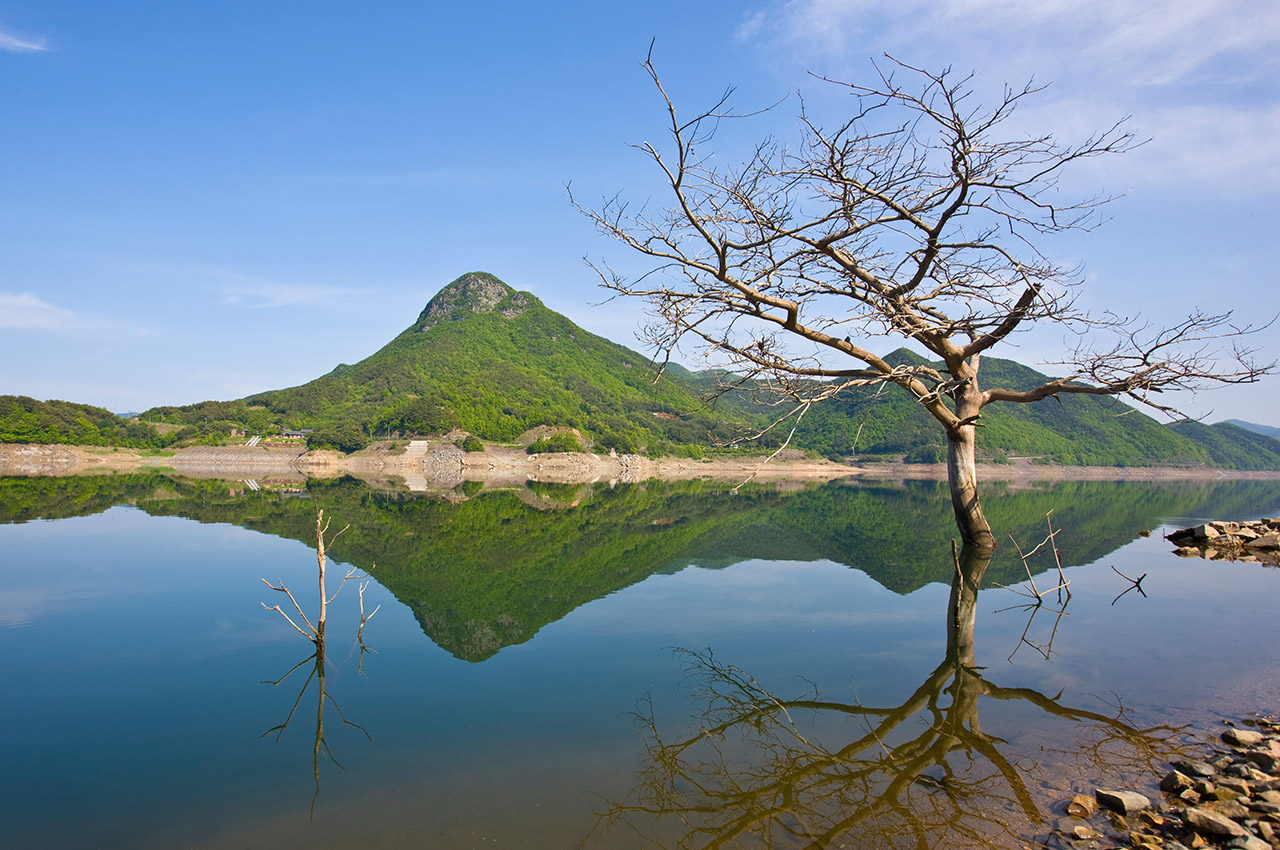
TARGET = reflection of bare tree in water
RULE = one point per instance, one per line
(316, 663)
(316, 634)
(781, 773)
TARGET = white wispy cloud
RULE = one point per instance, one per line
(1150, 43)
(13, 42)
(28, 312)
(1185, 144)
(1197, 76)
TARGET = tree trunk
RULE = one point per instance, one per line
(962, 608)
(962, 475)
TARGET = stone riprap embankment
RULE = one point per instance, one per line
(1226, 797)
(1230, 541)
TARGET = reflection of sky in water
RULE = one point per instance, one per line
(135, 649)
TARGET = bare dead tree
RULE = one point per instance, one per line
(315, 633)
(918, 218)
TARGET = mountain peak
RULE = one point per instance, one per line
(474, 292)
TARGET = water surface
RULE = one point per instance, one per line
(522, 680)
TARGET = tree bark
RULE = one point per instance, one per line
(962, 476)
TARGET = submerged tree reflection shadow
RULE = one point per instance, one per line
(316, 673)
(763, 771)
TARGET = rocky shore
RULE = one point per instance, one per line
(1225, 796)
(1257, 541)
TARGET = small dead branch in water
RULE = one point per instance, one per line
(1136, 582)
(1045, 649)
(1034, 592)
(1037, 596)
(364, 618)
(315, 633)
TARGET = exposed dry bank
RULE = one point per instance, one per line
(442, 464)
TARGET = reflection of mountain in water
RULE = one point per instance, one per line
(490, 571)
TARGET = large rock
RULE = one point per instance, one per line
(1175, 782)
(1212, 823)
(1270, 540)
(1242, 737)
(1196, 768)
(1205, 532)
(1124, 802)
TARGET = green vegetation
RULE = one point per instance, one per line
(471, 443)
(1231, 446)
(344, 437)
(496, 363)
(1073, 430)
(1264, 430)
(25, 420)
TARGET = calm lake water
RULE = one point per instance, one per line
(661, 665)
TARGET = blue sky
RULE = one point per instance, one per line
(204, 200)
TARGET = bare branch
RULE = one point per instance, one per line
(921, 216)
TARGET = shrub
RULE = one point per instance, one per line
(344, 438)
(925, 454)
(561, 442)
(470, 443)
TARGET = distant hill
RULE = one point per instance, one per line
(1264, 430)
(26, 420)
(494, 362)
(1233, 447)
(1073, 430)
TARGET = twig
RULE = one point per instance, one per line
(282, 589)
(803, 410)
(1137, 585)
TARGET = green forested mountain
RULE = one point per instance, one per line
(496, 362)
(1073, 430)
(1264, 430)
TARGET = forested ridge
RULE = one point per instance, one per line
(495, 363)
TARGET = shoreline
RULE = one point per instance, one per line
(440, 464)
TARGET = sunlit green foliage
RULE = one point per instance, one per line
(884, 422)
(25, 420)
(344, 437)
(1232, 446)
(495, 371)
(562, 441)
